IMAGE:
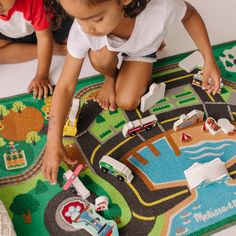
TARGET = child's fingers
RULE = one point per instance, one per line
(70, 161)
(45, 90)
(30, 88)
(44, 168)
(205, 81)
(112, 106)
(50, 88)
(54, 174)
(40, 91)
(105, 104)
(210, 89)
(47, 174)
(205, 84)
(50, 174)
(216, 84)
(35, 92)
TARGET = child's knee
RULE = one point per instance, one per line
(127, 102)
(4, 43)
(102, 60)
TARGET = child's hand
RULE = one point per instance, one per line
(40, 86)
(211, 77)
(51, 162)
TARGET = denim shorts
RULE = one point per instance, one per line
(59, 35)
(151, 58)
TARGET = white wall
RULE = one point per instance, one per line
(220, 19)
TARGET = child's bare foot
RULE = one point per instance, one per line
(59, 49)
(40, 87)
(106, 95)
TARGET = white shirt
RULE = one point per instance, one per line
(148, 33)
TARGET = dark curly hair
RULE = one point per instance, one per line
(135, 7)
(55, 13)
(131, 10)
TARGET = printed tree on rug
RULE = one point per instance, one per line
(24, 204)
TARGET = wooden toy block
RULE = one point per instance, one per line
(75, 104)
(203, 174)
(192, 62)
(101, 203)
(155, 94)
(212, 126)
(225, 125)
(72, 115)
(185, 138)
(186, 120)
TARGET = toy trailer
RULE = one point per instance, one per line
(133, 127)
(116, 168)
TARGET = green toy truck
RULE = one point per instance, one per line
(116, 168)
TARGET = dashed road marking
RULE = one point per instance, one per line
(205, 110)
(215, 103)
(230, 113)
(81, 134)
(141, 137)
(160, 127)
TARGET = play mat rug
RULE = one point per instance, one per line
(157, 201)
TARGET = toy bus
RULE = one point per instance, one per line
(116, 168)
(133, 127)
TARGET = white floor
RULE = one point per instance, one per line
(220, 19)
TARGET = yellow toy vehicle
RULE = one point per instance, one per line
(70, 127)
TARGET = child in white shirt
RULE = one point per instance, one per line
(102, 29)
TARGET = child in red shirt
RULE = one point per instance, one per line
(32, 29)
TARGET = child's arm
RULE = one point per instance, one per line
(61, 102)
(40, 85)
(197, 30)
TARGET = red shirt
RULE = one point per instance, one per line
(25, 17)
